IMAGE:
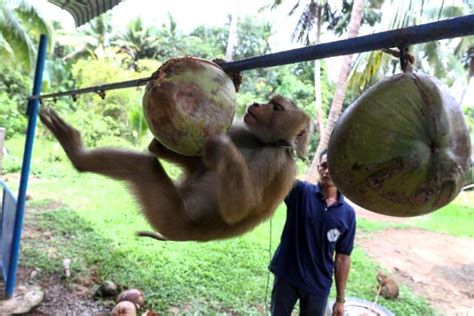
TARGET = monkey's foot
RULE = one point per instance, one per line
(68, 136)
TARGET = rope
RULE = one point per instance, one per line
(268, 272)
(371, 307)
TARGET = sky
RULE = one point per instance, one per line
(188, 15)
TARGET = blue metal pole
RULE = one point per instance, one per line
(450, 28)
(32, 112)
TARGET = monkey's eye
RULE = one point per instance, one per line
(277, 107)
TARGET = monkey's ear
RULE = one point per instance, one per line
(302, 140)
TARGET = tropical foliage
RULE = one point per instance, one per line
(98, 54)
(20, 27)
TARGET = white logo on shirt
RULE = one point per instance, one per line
(333, 234)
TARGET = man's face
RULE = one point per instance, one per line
(324, 176)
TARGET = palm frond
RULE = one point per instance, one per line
(365, 69)
(305, 23)
(18, 39)
(33, 19)
(5, 48)
(445, 12)
(465, 44)
(295, 7)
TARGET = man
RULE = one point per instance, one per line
(319, 224)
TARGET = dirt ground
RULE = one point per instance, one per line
(436, 266)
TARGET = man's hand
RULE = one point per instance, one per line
(338, 309)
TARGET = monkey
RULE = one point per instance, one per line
(388, 287)
(235, 184)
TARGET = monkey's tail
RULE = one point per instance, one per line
(153, 235)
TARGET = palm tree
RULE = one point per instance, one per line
(312, 14)
(337, 102)
(138, 40)
(233, 38)
(20, 27)
(430, 57)
(92, 41)
(468, 58)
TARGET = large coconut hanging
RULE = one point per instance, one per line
(187, 100)
(402, 148)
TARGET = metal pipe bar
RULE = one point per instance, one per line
(449, 28)
(33, 108)
(97, 89)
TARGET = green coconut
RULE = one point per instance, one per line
(402, 148)
(188, 100)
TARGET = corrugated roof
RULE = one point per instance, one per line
(85, 10)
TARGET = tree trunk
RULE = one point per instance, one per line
(336, 106)
(232, 39)
(470, 75)
(2, 140)
(317, 78)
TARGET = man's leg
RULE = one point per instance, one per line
(311, 305)
(284, 297)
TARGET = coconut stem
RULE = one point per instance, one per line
(408, 68)
(406, 60)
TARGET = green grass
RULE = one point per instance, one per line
(456, 218)
(371, 226)
(92, 220)
(208, 277)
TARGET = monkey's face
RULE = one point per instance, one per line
(277, 120)
(381, 277)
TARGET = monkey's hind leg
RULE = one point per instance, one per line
(115, 163)
(160, 200)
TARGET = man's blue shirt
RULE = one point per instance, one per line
(312, 232)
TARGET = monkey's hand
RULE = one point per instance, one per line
(215, 148)
(190, 163)
(155, 147)
(68, 136)
(234, 184)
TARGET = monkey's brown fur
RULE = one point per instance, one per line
(388, 287)
(236, 184)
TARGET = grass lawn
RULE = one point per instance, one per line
(456, 219)
(94, 219)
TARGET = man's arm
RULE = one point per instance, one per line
(343, 264)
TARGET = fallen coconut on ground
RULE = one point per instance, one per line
(106, 289)
(188, 100)
(124, 308)
(132, 295)
(402, 148)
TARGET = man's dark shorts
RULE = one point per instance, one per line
(285, 295)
